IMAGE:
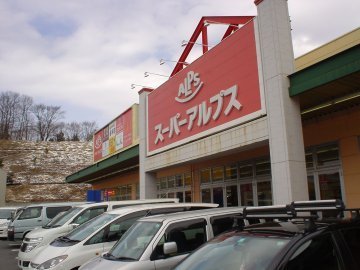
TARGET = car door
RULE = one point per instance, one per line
(188, 235)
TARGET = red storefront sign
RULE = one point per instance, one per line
(219, 90)
(114, 137)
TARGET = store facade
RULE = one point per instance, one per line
(246, 124)
(115, 169)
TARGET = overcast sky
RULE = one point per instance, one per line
(84, 54)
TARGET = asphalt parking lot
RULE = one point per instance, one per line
(8, 254)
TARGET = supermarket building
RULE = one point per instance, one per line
(242, 125)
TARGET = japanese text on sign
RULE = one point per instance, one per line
(200, 115)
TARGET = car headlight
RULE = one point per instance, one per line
(11, 228)
(34, 240)
(52, 262)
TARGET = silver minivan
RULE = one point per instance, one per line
(160, 242)
(99, 234)
(63, 224)
(36, 215)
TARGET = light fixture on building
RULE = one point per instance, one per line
(133, 86)
(184, 43)
(207, 23)
(147, 74)
(163, 61)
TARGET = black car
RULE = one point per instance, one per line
(285, 241)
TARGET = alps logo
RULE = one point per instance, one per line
(189, 88)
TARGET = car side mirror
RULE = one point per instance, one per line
(74, 225)
(169, 248)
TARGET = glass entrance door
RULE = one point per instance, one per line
(218, 196)
(231, 196)
(329, 186)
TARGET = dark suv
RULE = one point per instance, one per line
(293, 237)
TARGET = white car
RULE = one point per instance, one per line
(99, 234)
(160, 242)
(5, 218)
(62, 224)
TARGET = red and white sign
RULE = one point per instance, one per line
(115, 136)
(219, 90)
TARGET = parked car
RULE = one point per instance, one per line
(6, 213)
(33, 216)
(63, 224)
(290, 244)
(99, 235)
(160, 242)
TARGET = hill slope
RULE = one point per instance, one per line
(38, 169)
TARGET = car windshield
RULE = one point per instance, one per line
(234, 252)
(6, 213)
(63, 218)
(134, 242)
(86, 229)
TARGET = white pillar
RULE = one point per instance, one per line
(147, 183)
(2, 187)
(289, 179)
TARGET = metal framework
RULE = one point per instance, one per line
(233, 23)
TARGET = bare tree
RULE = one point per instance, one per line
(20, 119)
(87, 130)
(73, 131)
(47, 120)
(24, 120)
(8, 104)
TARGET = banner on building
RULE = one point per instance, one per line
(217, 91)
(118, 135)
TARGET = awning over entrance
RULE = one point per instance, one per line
(125, 161)
(331, 84)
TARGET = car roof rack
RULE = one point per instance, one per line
(318, 205)
(269, 212)
(292, 211)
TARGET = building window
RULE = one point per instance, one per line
(327, 155)
(231, 172)
(245, 171)
(187, 177)
(309, 160)
(179, 180)
(163, 183)
(205, 176)
(217, 174)
(206, 195)
(324, 172)
(232, 184)
(173, 186)
(263, 167)
(171, 182)
(125, 192)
